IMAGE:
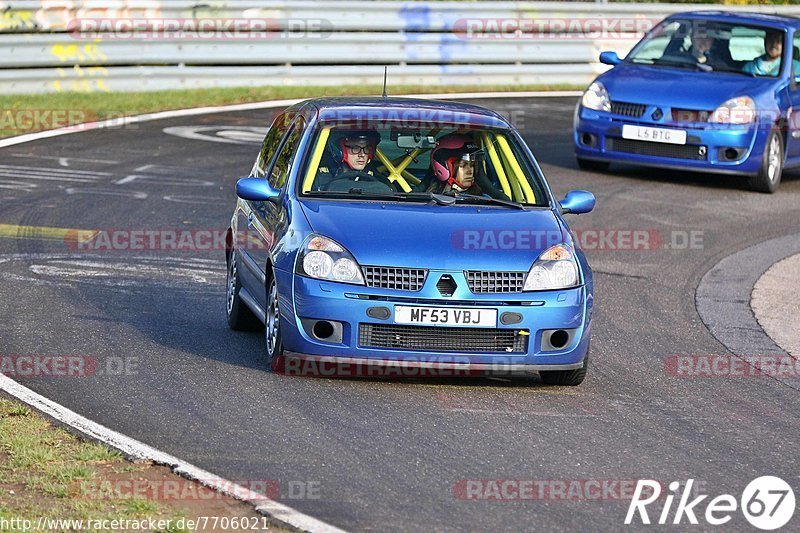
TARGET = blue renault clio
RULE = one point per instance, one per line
(705, 91)
(408, 233)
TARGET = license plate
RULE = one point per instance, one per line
(445, 316)
(657, 135)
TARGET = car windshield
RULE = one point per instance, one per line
(712, 46)
(447, 165)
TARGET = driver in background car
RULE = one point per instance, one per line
(708, 47)
(768, 64)
(349, 155)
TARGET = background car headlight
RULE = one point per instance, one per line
(556, 268)
(596, 97)
(323, 258)
(740, 110)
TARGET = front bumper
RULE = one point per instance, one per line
(598, 136)
(569, 309)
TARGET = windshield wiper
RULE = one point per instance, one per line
(490, 200)
(355, 192)
(680, 63)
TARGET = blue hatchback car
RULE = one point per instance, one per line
(704, 91)
(411, 234)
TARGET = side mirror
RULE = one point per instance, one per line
(610, 58)
(577, 202)
(256, 190)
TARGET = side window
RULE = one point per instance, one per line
(270, 145)
(796, 57)
(283, 163)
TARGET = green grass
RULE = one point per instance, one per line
(96, 106)
(46, 471)
(50, 464)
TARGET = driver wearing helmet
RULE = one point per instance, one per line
(349, 155)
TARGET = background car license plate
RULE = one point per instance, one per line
(445, 316)
(659, 135)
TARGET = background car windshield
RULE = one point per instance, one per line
(345, 161)
(710, 46)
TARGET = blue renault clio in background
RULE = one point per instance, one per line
(413, 233)
(704, 91)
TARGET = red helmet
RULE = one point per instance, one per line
(447, 154)
(337, 144)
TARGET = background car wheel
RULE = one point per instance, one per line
(273, 324)
(240, 317)
(570, 378)
(595, 166)
(769, 175)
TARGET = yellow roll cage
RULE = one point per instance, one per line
(512, 179)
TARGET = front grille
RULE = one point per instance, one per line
(401, 279)
(676, 151)
(628, 110)
(487, 281)
(442, 339)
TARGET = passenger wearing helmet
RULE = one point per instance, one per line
(454, 162)
(349, 154)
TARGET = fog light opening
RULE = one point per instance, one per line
(323, 330)
(559, 338)
(587, 139)
(731, 154)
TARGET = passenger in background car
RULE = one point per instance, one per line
(768, 64)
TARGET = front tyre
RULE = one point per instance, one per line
(592, 166)
(569, 378)
(769, 175)
(240, 317)
(273, 324)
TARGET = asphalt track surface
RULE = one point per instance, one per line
(388, 454)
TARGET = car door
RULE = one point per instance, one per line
(793, 132)
(247, 239)
(270, 220)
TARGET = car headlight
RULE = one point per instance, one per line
(323, 258)
(739, 110)
(596, 97)
(556, 268)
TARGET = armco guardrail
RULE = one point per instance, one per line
(188, 44)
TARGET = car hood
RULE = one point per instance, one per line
(436, 237)
(685, 89)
